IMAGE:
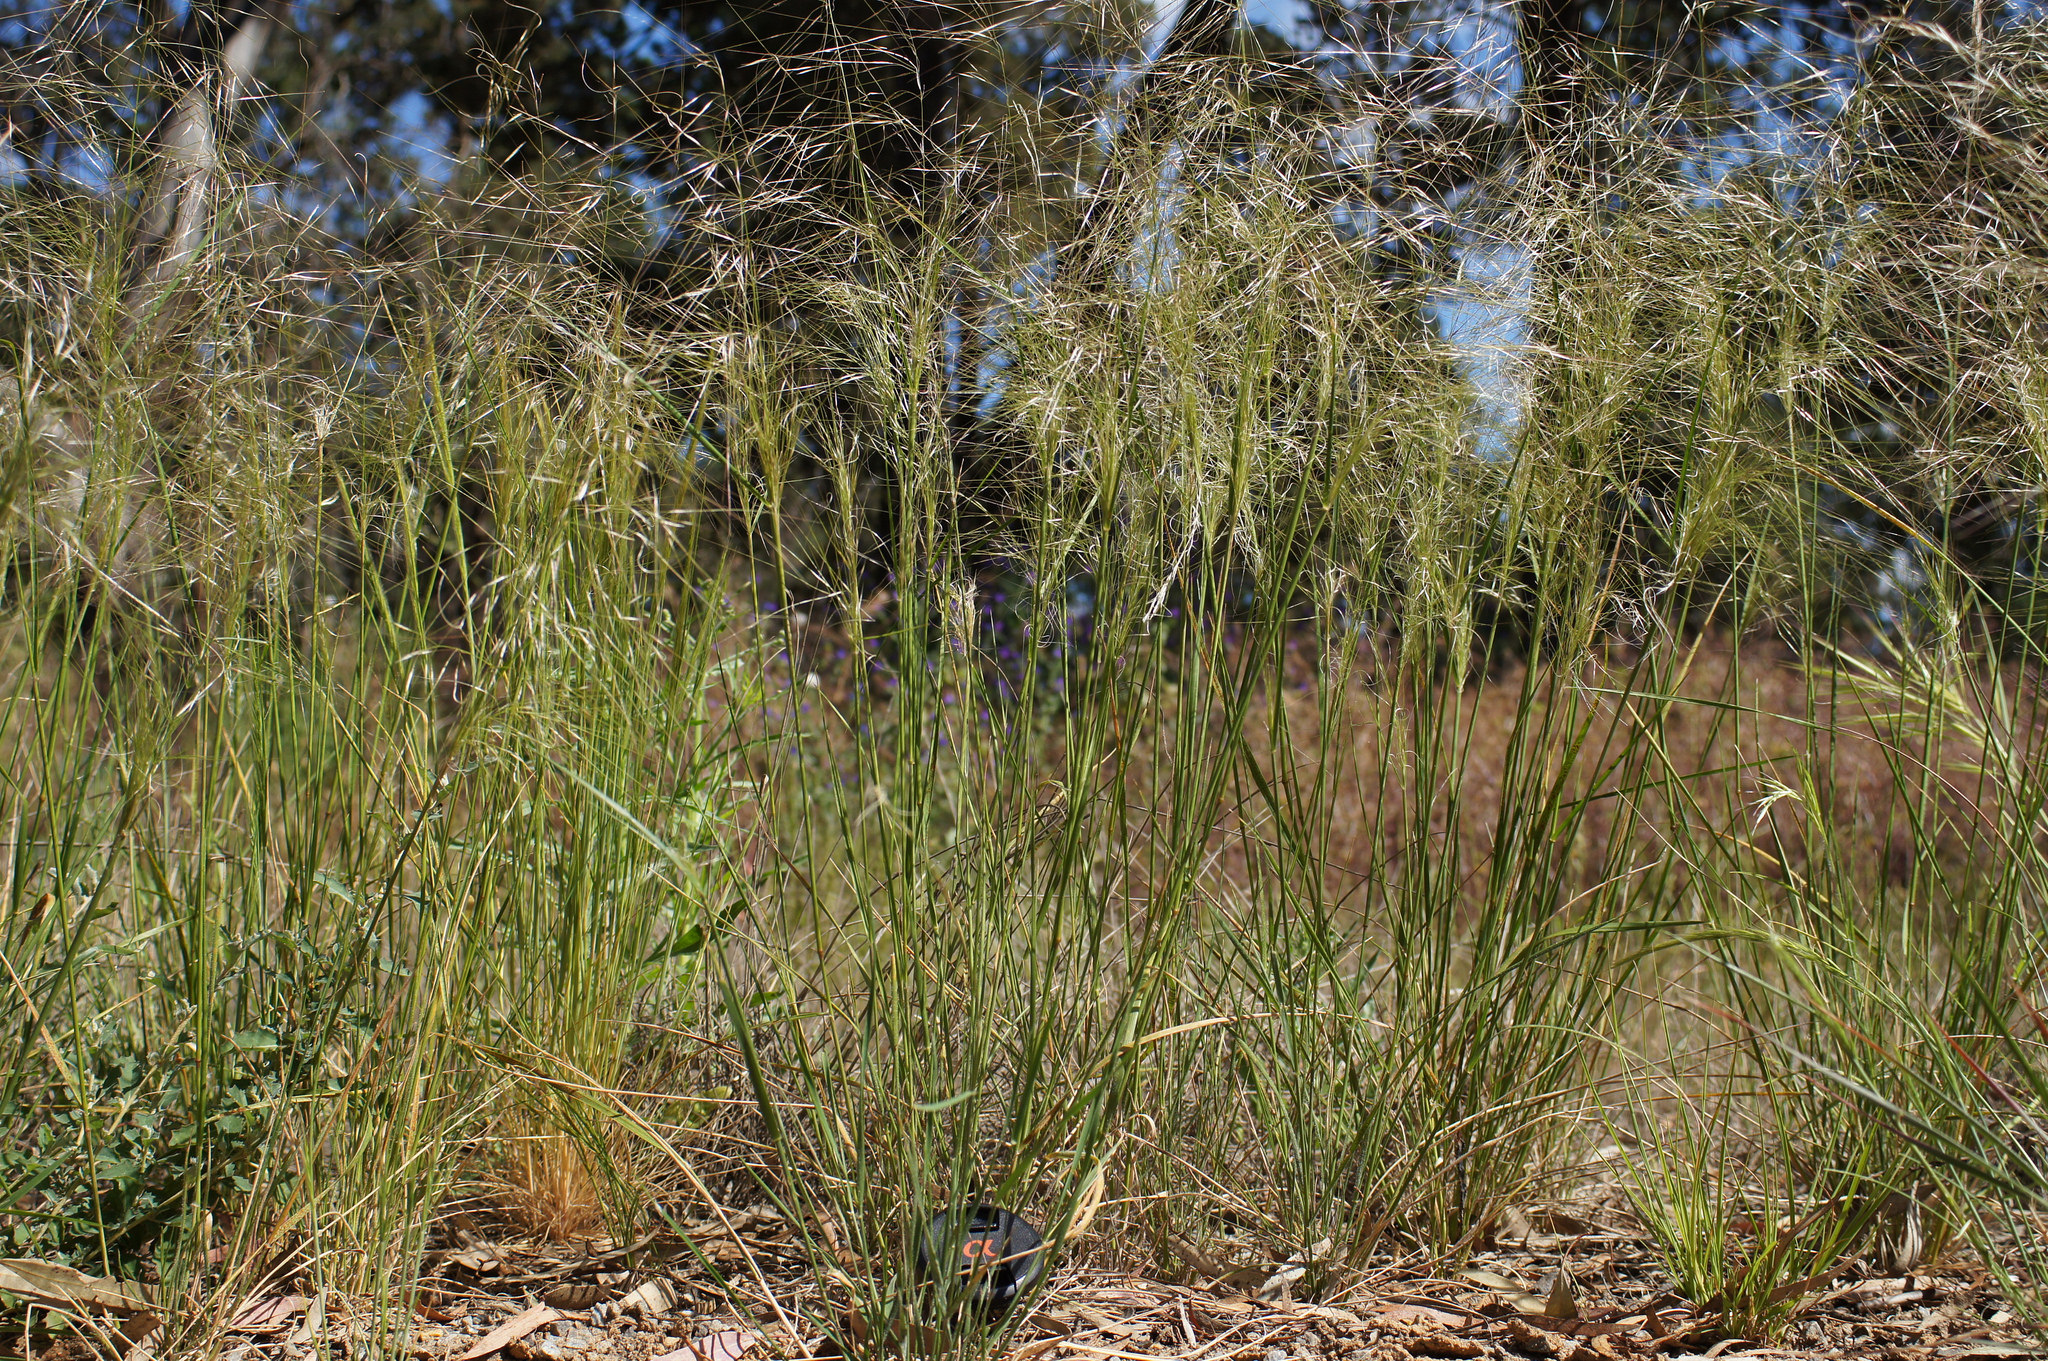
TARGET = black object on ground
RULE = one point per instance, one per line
(996, 1255)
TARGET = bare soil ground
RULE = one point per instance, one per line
(740, 1287)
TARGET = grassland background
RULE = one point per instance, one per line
(602, 755)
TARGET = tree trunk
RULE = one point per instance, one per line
(179, 216)
(1551, 38)
(1198, 29)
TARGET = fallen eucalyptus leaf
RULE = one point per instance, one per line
(66, 1287)
(1195, 1258)
(481, 1259)
(1031, 1351)
(1245, 1278)
(1492, 1280)
(651, 1300)
(518, 1326)
(313, 1324)
(143, 1335)
(730, 1345)
(1419, 1314)
(1281, 1283)
(1562, 1303)
(266, 1315)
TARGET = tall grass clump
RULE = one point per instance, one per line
(340, 708)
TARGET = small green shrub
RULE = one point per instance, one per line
(136, 1134)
